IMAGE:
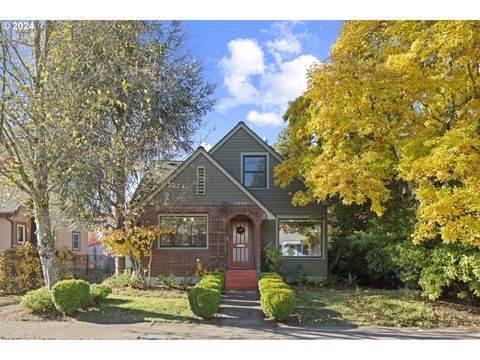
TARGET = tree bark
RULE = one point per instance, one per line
(120, 264)
(46, 247)
(45, 240)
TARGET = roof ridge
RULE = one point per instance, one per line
(253, 134)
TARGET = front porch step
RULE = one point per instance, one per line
(241, 280)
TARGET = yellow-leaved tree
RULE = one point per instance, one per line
(397, 102)
(134, 242)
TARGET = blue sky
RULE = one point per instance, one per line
(258, 67)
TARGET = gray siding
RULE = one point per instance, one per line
(268, 236)
(219, 189)
(313, 267)
(278, 200)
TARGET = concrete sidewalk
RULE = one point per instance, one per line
(83, 330)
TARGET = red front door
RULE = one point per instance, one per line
(241, 239)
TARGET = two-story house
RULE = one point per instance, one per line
(226, 208)
(17, 226)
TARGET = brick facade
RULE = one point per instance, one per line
(182, 262)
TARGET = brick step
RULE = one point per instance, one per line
(242, 280)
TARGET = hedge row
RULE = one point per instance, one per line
(276, 297)
(205, 297)
(66, 296)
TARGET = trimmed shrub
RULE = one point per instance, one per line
(71, 295)
(278, 303)
(205, 297)
(271, 283)
(39, 300)
(219, 275)
(99, 292)
(276, 297)
(270, 275)
(214, 281)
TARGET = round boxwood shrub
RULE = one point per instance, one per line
(270, 275)
(99, 292)
(39, 300)
(211, 281)
(220, 276)
(71, 295)
(267, 283)
(278, 303)
(204, 300)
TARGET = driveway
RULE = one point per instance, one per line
(240, 318)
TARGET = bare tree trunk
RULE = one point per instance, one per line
(120, 264)
(149, 278)
(45, 240)
(46, 247)
(120, 261)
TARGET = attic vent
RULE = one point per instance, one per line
(200, 180)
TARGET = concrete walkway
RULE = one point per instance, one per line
(240, 317)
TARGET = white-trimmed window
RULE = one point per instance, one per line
(20, 232)
(191, 231)
(255, 171)
(300, 237)
(200, 180)
(76, 239)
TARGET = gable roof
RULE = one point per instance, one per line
(202, 151)
(11, 199)
(241, 125)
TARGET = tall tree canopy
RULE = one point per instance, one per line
(396, 105)
(148, 97)
(87, 107)
(39, 108)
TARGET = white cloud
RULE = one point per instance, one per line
(268, 80)
(264, 118)
(246, 59)
(287, 82)
(207, 146)
(286, 42)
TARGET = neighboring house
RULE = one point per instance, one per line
(17, 226)
(226, 208)
(98, 260)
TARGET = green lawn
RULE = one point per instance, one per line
(333, 306)
(127, 306)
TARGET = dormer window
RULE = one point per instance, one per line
(255, 171)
